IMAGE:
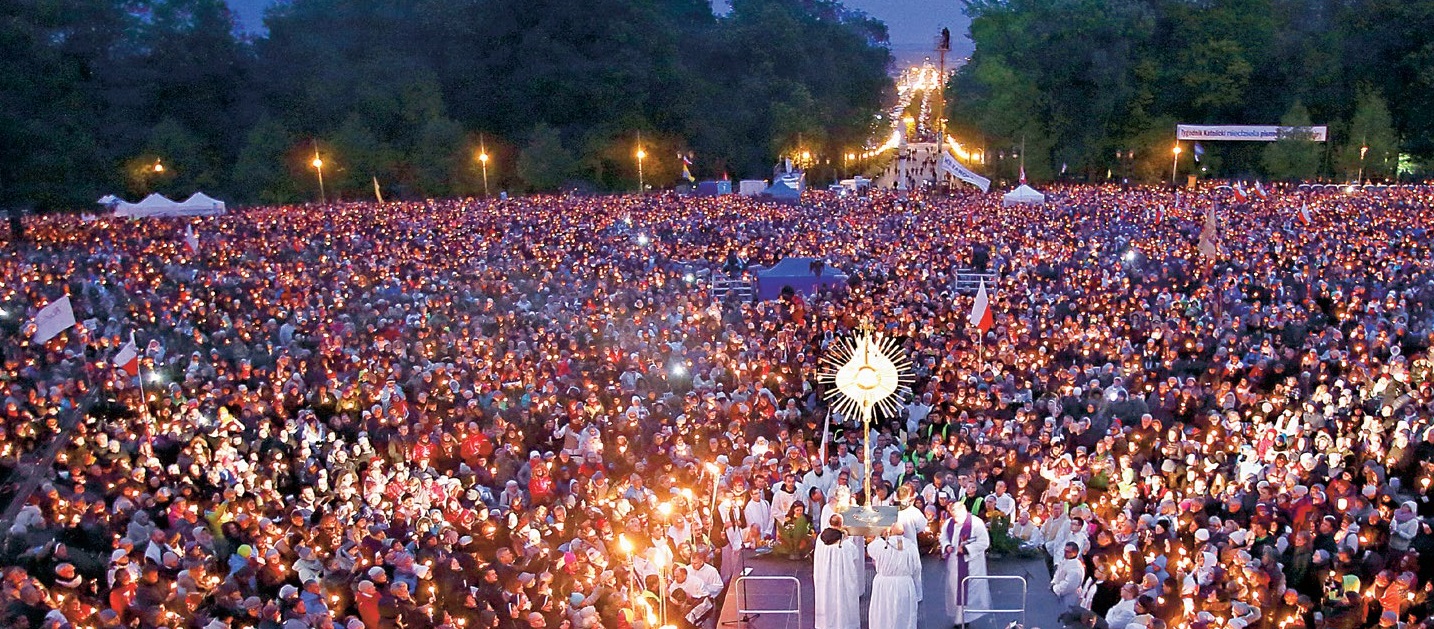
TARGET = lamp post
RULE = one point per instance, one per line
(159, 166)
(1362, 150)
(1174, 164)
(641, 155)
(318, 165)
(483, 160)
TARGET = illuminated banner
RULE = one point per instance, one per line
(950, 165)
(1246, 133)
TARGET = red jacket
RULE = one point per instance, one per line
(368, 608)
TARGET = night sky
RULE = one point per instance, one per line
(913, 23)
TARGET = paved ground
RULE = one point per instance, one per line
(1040, 604)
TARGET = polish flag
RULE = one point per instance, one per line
(1160, 213)
(1023, 174)
(1240, 195)
(128, 357)
(191, 239)
(981, 311)
(1305, 215)
(1260, 190)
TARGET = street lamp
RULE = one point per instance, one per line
(159, 167)
(318, 165)
(1174, 163)
(641, 155)
(483, 159)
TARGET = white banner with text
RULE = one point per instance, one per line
(950, 165)
(1248, 133)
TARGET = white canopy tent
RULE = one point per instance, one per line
(158, 206)
(1023, 195)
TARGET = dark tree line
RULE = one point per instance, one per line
(1099, 85)
(95, 93)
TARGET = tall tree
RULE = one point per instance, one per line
(1370, 145)
(1295, 155)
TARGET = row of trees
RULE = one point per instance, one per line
(1097, 86)
(95, 93)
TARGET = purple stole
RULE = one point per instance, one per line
(961, 569)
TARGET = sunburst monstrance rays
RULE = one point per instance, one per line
(869, 373)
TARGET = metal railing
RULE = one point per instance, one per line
(797, 605)
(969, 280)
(966, 586)
(722, 286)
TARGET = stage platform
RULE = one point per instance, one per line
(1042, 607)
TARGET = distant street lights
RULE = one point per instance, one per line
(1174, 164)
(159, 167)
(318, 165)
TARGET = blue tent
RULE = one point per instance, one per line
(802, 274)
(785, 189)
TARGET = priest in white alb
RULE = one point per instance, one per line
(912, 522)
(964, 542)
(841, 500)
(835, 578)
(893, 591)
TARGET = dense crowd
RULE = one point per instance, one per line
(534, 412)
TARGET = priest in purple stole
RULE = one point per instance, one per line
(963, 544)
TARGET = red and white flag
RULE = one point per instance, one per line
(191, 239)
(1240, 195)
(1305, 215)
(128, 357)
(1023, 174)
(981, 311)
(1160, 213)
(1260, 190)
(56, 317)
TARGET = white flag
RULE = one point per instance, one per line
(53, 319)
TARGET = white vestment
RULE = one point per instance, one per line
(913, 522)
(838, 585)
(893, 591)
(970, 564)
(858, 554)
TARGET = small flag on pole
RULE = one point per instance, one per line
(1023, 174)
(981, 310)
(54, 318)
(127, 358)
(686, 167)
(1260, 190)
(191, 239)
(1305, 216)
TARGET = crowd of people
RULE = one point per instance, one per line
(535, 413)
